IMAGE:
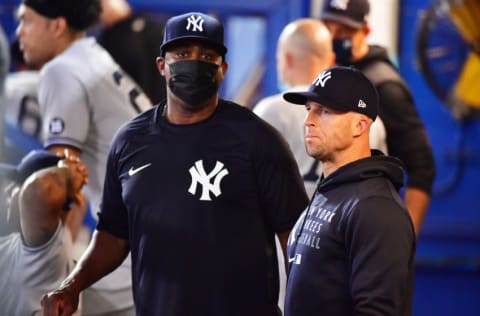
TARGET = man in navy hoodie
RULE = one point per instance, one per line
(352, 250)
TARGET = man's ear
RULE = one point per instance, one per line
(366, 29)
(289, 60)
(224, 67)
(60, 26)
(160, 61)
(362, 125)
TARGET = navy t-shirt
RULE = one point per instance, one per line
(199, 205)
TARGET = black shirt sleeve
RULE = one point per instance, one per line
(281, 189)
(406, 135)
(113, 215)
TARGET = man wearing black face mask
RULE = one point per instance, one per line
(406, 135)
(196, 189)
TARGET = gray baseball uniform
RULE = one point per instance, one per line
(84, 98)
(4, 64)
(21, 103)
(30, 272)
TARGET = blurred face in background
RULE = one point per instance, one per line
(348, 43)
(36, 35)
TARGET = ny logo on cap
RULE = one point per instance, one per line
(339, 4)
(322, 78)
(196, 23)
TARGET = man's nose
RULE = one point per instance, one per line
(308, 119)
(18, 30)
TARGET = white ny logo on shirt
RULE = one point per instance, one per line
(199, 176)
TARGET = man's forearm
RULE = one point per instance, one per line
(103, 255)
(417, 202)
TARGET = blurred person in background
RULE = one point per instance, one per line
(40, 215)
(4, 67)
(22, 111)
(84, 97)
(407, 138)
(132, 40)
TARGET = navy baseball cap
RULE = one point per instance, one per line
(353, 13)
(193, 25)
(35, 160)
(344, 89)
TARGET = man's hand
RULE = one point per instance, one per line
(77, 177)
(78, 171)
(61, 302)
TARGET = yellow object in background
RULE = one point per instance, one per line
(467, 87)
(465, 14)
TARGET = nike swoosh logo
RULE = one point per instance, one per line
(296, 259)
(133, 171)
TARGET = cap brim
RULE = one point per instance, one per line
(303, 97)
(341, 19)
(299, 97)
(8, 171)
(218, 47)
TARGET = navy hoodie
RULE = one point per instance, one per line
(352, 250)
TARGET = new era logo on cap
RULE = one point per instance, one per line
(344, 89)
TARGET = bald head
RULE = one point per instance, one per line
(114, 11)
(306, 36)
(304, 49)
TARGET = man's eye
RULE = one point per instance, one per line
(181, 54)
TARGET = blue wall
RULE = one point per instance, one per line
(448, 254)
(7, 19)
(454, 212)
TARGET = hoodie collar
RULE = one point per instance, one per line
(377, 165)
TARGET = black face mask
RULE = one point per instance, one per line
(193, 81)
(343, 51)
